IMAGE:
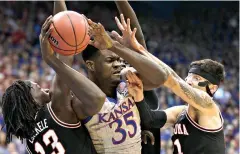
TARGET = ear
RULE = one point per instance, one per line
(90, 65)
(213, 88)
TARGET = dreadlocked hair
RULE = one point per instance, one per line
(19, 111)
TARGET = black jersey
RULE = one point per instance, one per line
(55, 136)
(190, 138)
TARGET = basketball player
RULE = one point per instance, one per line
(52, 127)
(116, 128)
(198, 126)
(125, 8)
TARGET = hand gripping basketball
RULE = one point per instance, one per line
(43, 38)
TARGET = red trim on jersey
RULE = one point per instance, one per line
(61, 123)
(202, 128)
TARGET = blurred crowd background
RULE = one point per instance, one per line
(175, 32)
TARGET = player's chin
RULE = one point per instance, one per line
(116, 78)
(46, 97)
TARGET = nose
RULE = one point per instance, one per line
(188, 81)
(118, 64)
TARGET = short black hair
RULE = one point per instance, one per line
(89, 53)
(19, 110)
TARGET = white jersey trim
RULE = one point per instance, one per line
(203, 128)
(28, 150)
(61, 123)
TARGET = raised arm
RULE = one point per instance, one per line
(197, 98)
(91, 97)
(125, 8)
(60, 91)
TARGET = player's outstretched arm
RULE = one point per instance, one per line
(91, 97)
(60, 91)
(125, 8)
(197, 98)
(158, 118)
(143, 65)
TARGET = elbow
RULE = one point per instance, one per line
(99, 102)
(160, 78)
(96, 104)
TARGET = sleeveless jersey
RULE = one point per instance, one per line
(190, 138)
(54, 136)
(116, 128)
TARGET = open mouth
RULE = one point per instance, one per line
(117, 73)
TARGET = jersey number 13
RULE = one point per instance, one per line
(56, 146)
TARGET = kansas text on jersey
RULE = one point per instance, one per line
(116, 128)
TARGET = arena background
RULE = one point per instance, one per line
(175, 32)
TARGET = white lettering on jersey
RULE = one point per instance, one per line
(180, 129)
(41, 126)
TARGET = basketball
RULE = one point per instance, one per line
(70, 33)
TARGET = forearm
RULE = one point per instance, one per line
(125, 8)
(144, 66)
(168, 70)
(84, 89)
(151, 99)
(59, 6)
(59, 86)
(150, 118)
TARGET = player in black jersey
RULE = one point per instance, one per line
(48, 120)
(198, 127)
(197, 90)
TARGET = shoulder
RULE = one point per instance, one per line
(63, 114)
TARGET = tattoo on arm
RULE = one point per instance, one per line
(199, 98)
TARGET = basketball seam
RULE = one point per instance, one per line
(61, 36)
(86, 28)
(63, 49)
(73, 32)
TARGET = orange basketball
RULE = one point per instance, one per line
(70, 33)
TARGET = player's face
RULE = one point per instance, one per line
(39, 95)
(109, 66)
(193, 80)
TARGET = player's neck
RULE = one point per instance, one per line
(106, 87)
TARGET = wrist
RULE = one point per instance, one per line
(49, 59)
(141, 48)
(114, 44)
(138, 98)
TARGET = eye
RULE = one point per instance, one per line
(197, 78)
